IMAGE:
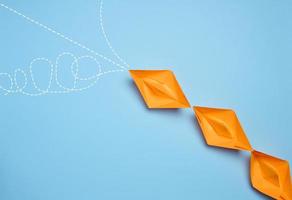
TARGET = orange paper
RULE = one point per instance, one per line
(221, 128)
(271, 176)
(159, 89)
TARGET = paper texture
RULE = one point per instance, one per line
(159, 89)
(270, 176)
(221, 128)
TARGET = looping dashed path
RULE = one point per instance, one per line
(16, 87)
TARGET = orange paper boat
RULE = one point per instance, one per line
(221, 128)
(271, 176)
(159, 89)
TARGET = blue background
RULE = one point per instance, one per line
(103, 143)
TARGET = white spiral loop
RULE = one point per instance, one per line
(14, 85)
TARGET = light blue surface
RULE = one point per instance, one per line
(102, 143)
